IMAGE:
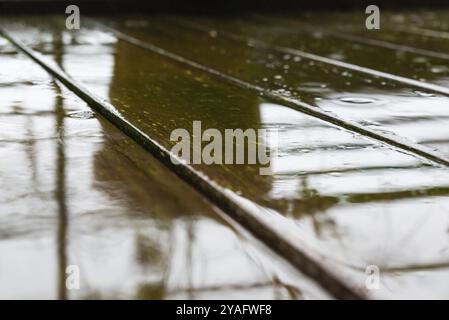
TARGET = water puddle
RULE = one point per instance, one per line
(80, 194)
(354, 200)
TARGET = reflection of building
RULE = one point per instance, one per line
(160, 96)
(172, 96)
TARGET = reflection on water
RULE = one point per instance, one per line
(350, 198)
(75, 191)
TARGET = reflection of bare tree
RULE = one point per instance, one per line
(189, 256)
(142, 184)
(31, 153)
(150, 255)
(61, 199)
(309, 203)
(314, 205)
(163, 254)
(60, 176)
(174, 261)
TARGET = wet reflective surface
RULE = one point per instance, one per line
(335, 89)
(352, 199)
(77, 192)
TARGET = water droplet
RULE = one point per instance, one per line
(251, 43)
(337, 56)
(278, 77)
(357, 100)
(335, 174)
(420, 60)
(439, 69)
(369, 123)
(398, 18)
(86, 114)
(213, 33)
(423, 94)
(313, 87)
(297, 59)
(283, 92)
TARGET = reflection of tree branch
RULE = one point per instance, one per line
(27, 114)
(293, 291)
(358, 169)
(150, 254)
(189, 253)
(25, 195)
(26, 141)
(405, 268)
(395, 195)
(31, 153)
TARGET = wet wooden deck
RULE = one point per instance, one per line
(360, 177)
